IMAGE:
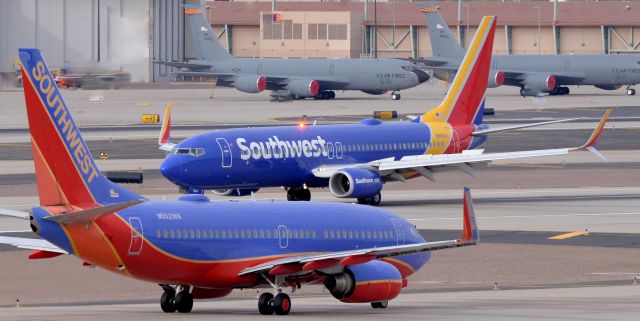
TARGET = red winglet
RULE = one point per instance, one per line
(470, 228)
(593, 139)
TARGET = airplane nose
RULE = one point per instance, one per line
(171, 168)
(421, 74)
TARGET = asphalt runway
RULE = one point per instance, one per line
(583, 303)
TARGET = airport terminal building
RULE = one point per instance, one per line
(130, 35)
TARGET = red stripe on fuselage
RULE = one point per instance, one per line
(473, 91)
(54, 151)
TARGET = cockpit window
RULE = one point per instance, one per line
(188, 151)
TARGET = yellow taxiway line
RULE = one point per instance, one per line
(567, 235)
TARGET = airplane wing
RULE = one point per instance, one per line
(187, 65)
(502, 129)
(392, 169)
(31, 244)
(303, 263)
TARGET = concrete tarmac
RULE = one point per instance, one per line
(575, 303)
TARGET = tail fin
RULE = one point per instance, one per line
(65, 170)
(164, 140)
(464, 102)
(207, 46)
(442, 42)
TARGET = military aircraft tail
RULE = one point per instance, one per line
(206, 44)
(66, 173)
(442, 42)
(464, 102)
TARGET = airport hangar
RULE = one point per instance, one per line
(129, 35)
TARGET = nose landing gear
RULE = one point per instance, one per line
(395, 95)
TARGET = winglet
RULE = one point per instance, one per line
(164, 140)
(593, 139)
(470, 228)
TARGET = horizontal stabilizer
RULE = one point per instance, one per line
(14, 213)
(86, 216)
(31, 244)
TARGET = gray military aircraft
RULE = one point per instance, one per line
(292, 78)
(534, 74)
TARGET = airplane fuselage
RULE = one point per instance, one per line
(206, 244)
(369, 75)
(286, 155)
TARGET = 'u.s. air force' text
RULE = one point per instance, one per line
(68, 131)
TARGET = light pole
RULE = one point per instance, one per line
(538, 8)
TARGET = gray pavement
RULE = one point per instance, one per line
(580, 303)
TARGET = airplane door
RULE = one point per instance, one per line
(332, 69)
(567, 65)
(225, 151)
(339, 150)
(259, 70)
(137, 235)
(399, 231)
(330, 150)
(282, 236)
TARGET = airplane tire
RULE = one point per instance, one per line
(264, 303)
(373, 200)
(395, 96)
(298, 194)
(167, 302)
(380, 305)
(282, 304)
(631, 92)
(332, 94)
(184, 302)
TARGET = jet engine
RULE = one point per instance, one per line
(304, 87)
(496, 80)
(373, 281)
(536, 84)
(251, 84)
(235, 191)
(355, 182)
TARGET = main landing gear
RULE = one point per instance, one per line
(325, 94)
(279, 304)
(176, 299)
(298, 194)
(630, 91)
(395, 95)
(373, 200)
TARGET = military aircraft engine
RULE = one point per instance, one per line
(496, 80)
(304, 87)
(251, 84)
(355, 182)
(538, 83)
(374, 281)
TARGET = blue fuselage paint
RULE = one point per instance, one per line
(286, 155)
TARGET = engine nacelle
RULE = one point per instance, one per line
(608, 87)
(304, 87)
(251, 84)
(235, 191)
(496, 80)
(373, 281)
(536, 84)
(355, 182)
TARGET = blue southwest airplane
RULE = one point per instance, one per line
(197, 249)
(353, 160)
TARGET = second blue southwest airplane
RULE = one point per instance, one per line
(353, 160)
